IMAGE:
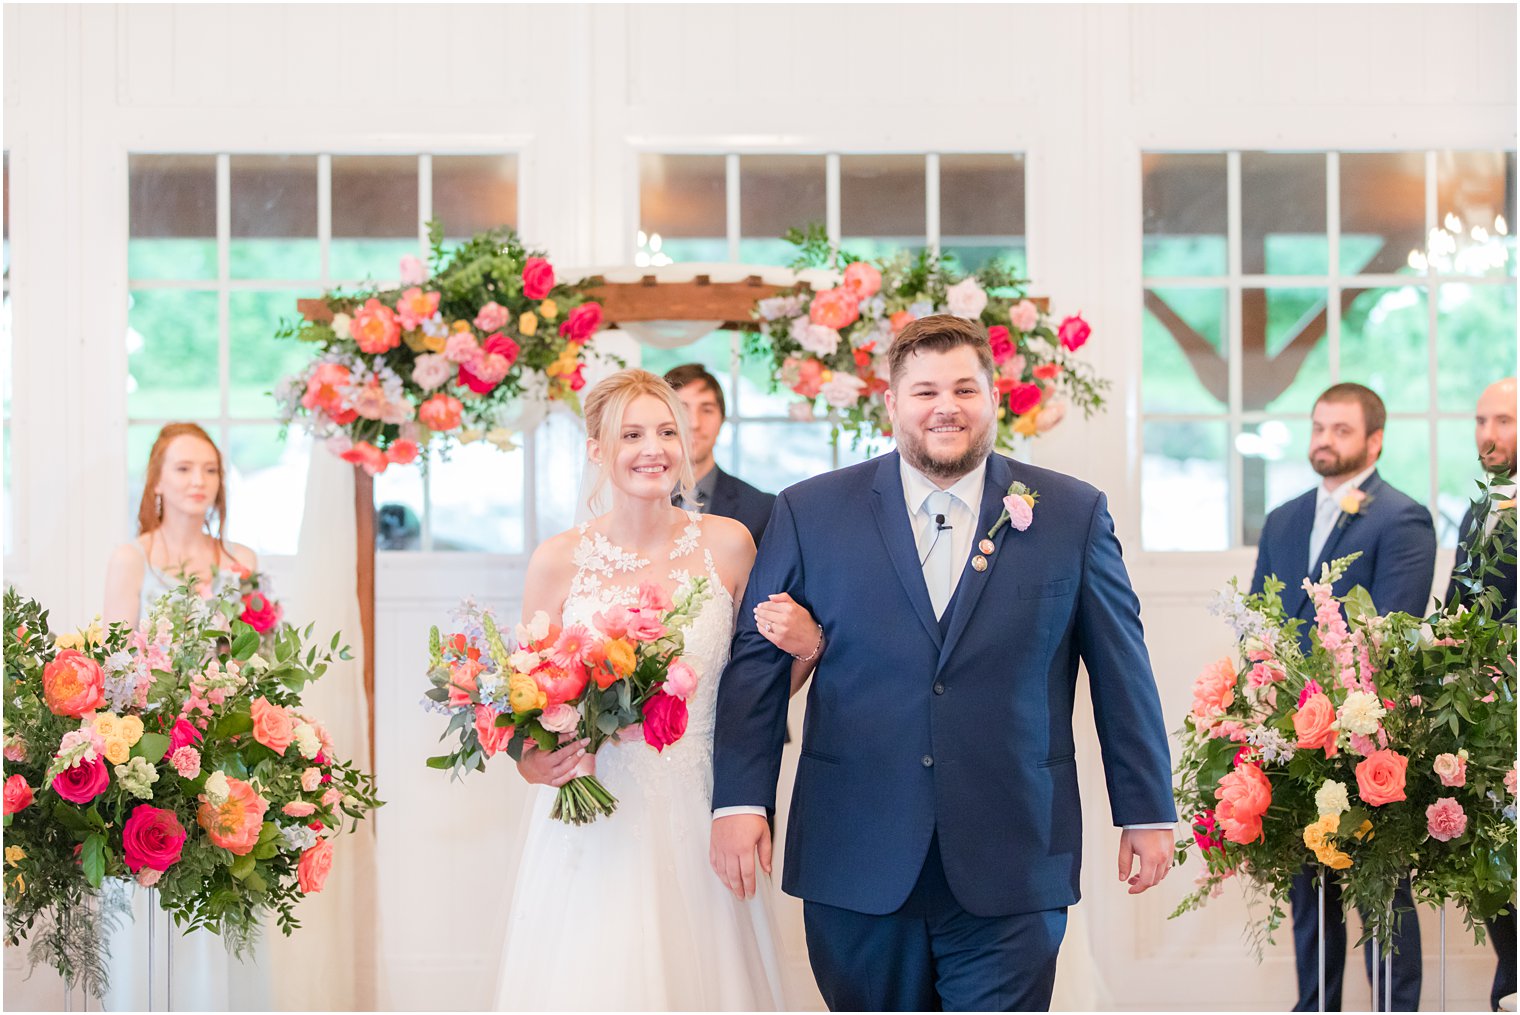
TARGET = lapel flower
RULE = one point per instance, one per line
(1018, 508)
(1351, 505)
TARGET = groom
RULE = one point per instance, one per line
(935, 830)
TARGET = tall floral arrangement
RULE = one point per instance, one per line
(830, 346)
(1385, 751)
(176, 754)
(457, 351)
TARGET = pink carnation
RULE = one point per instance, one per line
(492, 317)
(1509, 781)
(186, 761)
(1445, 819)
(331, 797)
(1020, 514)
(311, 778)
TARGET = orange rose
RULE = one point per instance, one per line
(234, 825)
(1314, 722)
(1244, 796)
(1380, 777)
(272, 725)
(72, 684)
(314, 866)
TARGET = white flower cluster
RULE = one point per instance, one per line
(1360, 713)
(1274, 747)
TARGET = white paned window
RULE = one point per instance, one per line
(1269, 276)
(220, 248)
(5, 353)
(736, 207)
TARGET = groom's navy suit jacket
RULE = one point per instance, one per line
(962, 726)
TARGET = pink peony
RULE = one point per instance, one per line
(1445, 819)
(862, 279)
(1002, 345)
(461, 347)
(1020, 514)
(73, 684)
(492, 317)
(1073, 332)
(1244, 796)
(302, 808)
(416, 306)
(1214, 690)
(1380, 777)
(538, 278)
(431, 370)
(186, 761)
(18, 795)
(582, 322)
(1024, 315)
(81, 783)
(835, 308)
(314, 866)
(680, 680)
(441, 412)
(152, 837)
(614, 621)
(1451, 769)
(664, 720)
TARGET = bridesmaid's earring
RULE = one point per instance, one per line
(158, 505)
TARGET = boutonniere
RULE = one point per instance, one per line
(1018, 509)
(1352, 504)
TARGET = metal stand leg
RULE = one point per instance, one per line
(1388, 961)
(1377, 965)
(152, 942)
(1443, 958)
(1321, 939)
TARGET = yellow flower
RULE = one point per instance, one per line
(130, 728)
(468, 435)
(621, 656)
(1027, 498)
(461, 325)
(1025, 423)
(14, 855)
(67, 641)
(502, 438)
(106, 724)
(1364, 832)
(569, 359)
(549, 310)
(117, 751)
(1352, 503)
(20, 885)
(528, 323)
(1317, 837)
(524, 695)
(95, 634)
(434, 343)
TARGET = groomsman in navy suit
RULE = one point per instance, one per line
(716, 492)
(935, 830)
(1495, 433)
(1352, 510)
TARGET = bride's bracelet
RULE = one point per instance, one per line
(816, 648)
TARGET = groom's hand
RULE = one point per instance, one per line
(1153, 848)
(736, 838)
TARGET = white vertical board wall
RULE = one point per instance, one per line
(579, 92)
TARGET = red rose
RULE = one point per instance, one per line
(1002, 346)
(260, 612)
(1073, 332)
(184, 734)
(72, 684)
(664, 720)
(152, 837)
(18, 795)
(538, 278)
(1023, 397)
(582, 322)
(83, 782)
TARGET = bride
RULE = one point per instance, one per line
(624, 912)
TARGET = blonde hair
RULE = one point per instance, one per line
(608, 403)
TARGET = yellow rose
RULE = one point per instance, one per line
(523, 694)
(621, 657)
(1025, 424)
(14, 855)
(434, 343)
(1332, 858)
(549, 310)
(528, 323)
(1352, 503)
(69, 641)
(1364, 832)
(130, 728)
(117, 751)
(106, 725)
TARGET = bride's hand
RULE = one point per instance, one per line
(788, 626)
(551, 768)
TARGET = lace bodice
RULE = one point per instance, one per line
(608, 575)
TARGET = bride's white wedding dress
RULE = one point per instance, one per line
(625, 913)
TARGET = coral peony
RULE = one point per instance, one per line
(72, 684)
(375, 328)
(234, 824)
(862, 279)
(441, 412)
(152, 837)
(324, 392)
(835, 308)
(1244, 796)
(1214, 690)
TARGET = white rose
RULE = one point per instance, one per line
(966, 298)
(306, 741)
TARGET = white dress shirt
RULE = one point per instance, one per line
(1327, 512)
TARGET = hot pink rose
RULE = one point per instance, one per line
(1214, 690)
(1314, 722)
(1024, 397)
(152, 837)
(18, 795)
(183, 734)
(73, 684)
(1073, 332)
(1002, 345)
(492, 317)
(1445, 819)
(368, 457)
(538, 278)
(402, 452)
(1244, 796)
(1024, 315)
(492, 737)
(260, 612)
(1452, 769)
(272, 725)
(81, 783)
(835, 308)
(582, 322)
(441, 412)
(680, 680)
(314, 866)
(1380, 777)
(652, 596)
(1020, 514)
(374, 328)
(664, 720)
(862, 279)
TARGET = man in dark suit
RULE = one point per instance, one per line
(1353, 509)
(716, 491)
(936, 831)
(1495, 434)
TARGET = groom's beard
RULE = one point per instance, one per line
(911, 446)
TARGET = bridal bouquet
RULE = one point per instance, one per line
(623, 677)
(178, 755)
(459, 350)
(832, 344)
(1386, 751)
